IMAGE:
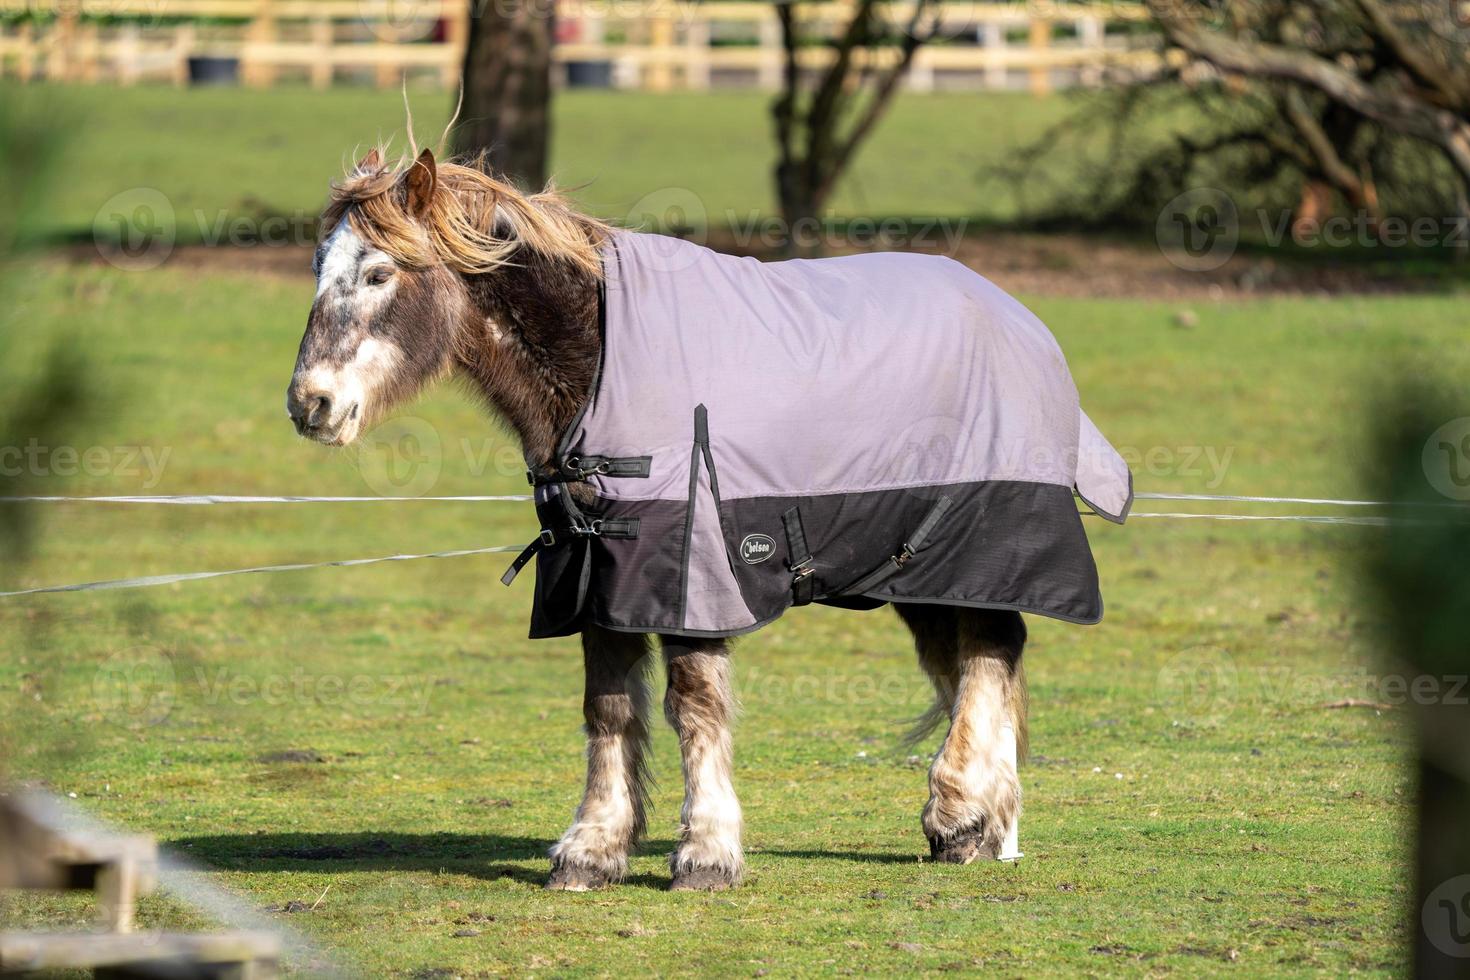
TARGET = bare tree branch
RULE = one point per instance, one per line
(1435, 75)
(885, 89)
(1396, 110)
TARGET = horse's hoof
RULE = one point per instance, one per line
(702, 880)
(575, 878)
(962, 847)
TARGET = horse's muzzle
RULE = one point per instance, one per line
(311, 413)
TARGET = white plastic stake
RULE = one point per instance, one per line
(1010, 850)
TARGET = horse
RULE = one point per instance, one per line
(428, 270)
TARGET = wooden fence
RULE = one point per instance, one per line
(656, 45)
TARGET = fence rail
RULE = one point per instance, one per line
(656, 45)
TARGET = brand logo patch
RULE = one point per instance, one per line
(756, 548)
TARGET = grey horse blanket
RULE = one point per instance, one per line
(852, 431)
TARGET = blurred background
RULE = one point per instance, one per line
(1246, 223)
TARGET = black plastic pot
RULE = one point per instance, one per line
(589, 74)
(214, 71)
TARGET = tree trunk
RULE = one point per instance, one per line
(507, 87)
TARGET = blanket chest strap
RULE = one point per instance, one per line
(798, 558)
(599, 527)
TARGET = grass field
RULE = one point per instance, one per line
(274, 151)
(1193, 806)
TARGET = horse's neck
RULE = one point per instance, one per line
(533, 352)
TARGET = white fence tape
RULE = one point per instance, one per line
(1302, 518)
(151, 580)
(207, 499)
(1324, 501)
(194, 500)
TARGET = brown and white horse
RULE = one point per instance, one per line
(431, 270)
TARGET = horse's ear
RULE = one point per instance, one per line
(371, 162)
(421, 180)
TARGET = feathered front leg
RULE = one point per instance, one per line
(609, 821)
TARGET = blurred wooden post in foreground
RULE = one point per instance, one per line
(39, 850)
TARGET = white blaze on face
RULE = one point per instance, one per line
(354, 282)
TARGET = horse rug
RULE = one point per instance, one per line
(852, 431)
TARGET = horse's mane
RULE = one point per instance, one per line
(474, 223)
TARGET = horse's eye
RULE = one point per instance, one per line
(379, 275)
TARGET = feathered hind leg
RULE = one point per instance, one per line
(973, 659)
(610, 819)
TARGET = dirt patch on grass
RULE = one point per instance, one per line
(1019, 262)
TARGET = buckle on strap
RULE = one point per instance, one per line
(798, 558)
(895, 563)
(581, 467)
(609, 527)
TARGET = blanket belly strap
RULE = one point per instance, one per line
(799, 558)
(894, 564)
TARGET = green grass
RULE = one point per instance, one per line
(1172, 824)
(1192, 806)
(245, 153)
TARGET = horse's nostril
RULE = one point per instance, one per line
(319, 410)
